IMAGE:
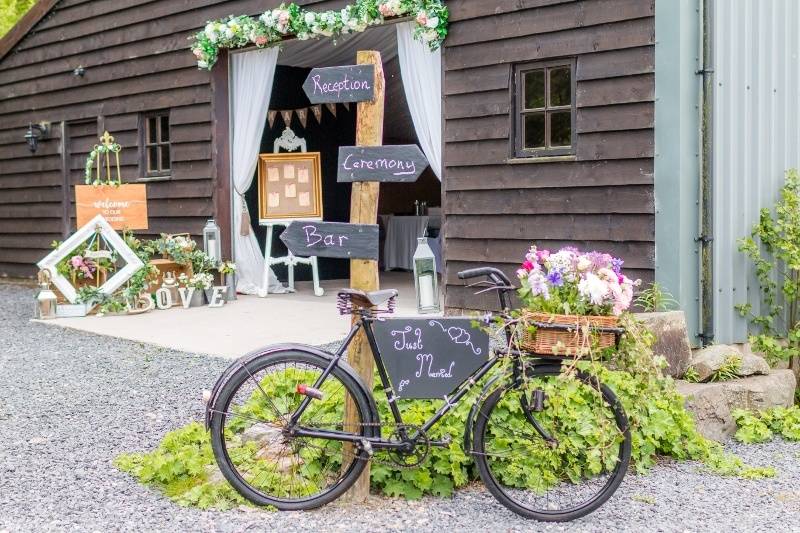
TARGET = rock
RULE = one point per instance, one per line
(213, 474)
(261, 433)
(753, 364)
(712, 403)
(672, 339)
(708, 360)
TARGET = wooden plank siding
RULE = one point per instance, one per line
(495, 207)
(136, 59)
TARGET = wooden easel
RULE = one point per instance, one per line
(364, 272)
(290, 142)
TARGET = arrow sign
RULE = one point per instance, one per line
(352, 83)
(332, 239)
(402, 162)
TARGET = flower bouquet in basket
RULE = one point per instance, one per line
(567, 296)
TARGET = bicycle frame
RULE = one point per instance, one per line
(365, 321)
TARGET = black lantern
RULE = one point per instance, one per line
(34, 133)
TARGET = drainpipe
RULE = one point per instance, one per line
(706, 233)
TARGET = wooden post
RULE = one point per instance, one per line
(364, 210)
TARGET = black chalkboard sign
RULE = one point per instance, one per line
(401, 162)
(351, 83)
(332, 239)
(430, 357)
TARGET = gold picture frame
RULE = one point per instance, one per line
(289, 187)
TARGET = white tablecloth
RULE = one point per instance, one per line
(401, 241)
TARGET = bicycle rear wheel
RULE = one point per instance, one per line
(252, 439)
(566, 477)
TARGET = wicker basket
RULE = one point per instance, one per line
(566, 342)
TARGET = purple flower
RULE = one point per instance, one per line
(555, 278)
(616, 264)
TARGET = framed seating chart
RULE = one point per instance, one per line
(289, 187)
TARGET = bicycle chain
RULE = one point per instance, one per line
(423, 436)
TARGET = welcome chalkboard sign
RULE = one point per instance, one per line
(430, 357)
(331, 239)
(393, 163)
(351, 83)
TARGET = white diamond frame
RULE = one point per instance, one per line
(132, 261)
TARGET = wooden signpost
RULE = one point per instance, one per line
(396, 163)
(430, 357)
(332, 239)
(351, 83)
(364, 210)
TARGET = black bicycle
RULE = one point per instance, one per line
(293, 426)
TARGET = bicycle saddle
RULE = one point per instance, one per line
(368, 298)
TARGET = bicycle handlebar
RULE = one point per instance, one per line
(492, 273)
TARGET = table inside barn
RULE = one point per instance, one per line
(402, 233)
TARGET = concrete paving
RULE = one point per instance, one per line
(248, 323)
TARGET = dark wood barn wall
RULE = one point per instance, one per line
(604, 199)
(136, 57)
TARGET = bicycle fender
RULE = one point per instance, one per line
(474, 410)
(373, 416)
(485, 391)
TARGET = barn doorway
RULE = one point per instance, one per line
(406, 210)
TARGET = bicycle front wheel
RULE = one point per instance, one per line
(252, 438)
(571, 463)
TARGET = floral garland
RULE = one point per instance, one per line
(275, 25)
(99, 149)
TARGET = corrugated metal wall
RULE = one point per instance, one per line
(756, 136)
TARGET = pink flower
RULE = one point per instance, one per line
(542, 254)
(76, 261)
(385, 10)
(260, 40)
(197, 52)
(527, 265)
(283, 18)
(422, 18)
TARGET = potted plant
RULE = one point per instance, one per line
(566, 295)
(227, 270)
(199, 283)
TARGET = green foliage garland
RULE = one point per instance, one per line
(98, 149)
(659, 425)
(276, 25)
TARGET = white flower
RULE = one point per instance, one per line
(584, 263)
(593, 288)
(309, 18)
(229, 33)
(209, 30)
(202, 64)
(432, 22)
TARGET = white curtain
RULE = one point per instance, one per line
(421, 71)
(252, 74)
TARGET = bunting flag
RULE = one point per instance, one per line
(287, 116)
(317, 110)
(302, 114)
(346, 105)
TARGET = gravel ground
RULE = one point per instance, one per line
(70, 402)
